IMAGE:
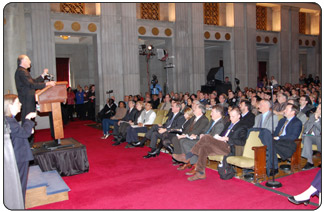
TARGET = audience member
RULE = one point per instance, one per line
(247, 117)
(107, 122)
(70, 102)
(166, 105)
(264, 120)
(92, 103)
(312, 135)
(107, 111)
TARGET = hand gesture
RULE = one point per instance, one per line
(51, 83)
(31, 115)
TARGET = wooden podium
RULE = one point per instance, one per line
(49, 100)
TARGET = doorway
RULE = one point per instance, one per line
(262, 70)
(63, 69)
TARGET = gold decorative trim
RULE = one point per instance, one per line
(168, 32)
(58, 25)
(207, 35)
(258, 39)
(266, 39)
(75, 26)
(92, 27)
(300, 42)
(155, 31)
(227, 36)
(142, 30)
(217, 35)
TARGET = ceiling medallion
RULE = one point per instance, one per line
(92, 27)
(58, 25)
(207, 35)
(168, 32)
(155, 31)
(217, 35)
(227, 36)
(76, 26)
(142, 30)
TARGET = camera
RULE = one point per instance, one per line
(154, 80)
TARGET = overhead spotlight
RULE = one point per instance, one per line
(65, 37)
(150, 48)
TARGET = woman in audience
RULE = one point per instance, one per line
(70, 102)
(106, 123)
(19, 136)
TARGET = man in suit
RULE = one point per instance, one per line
(247, 117)
(130, 116)
(215, 126)
(26, 86)
(264, 120)
(287, 131)
(166, 105)
(306, 106)
(312, 135)
(156, 132)
(234, 133)
(198, 126)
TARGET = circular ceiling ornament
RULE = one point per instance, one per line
(307, 42)
(155, 31)
(267, 39)
(217, 35)
(313, 43)
(92, 27)
(207, 35)
(258, 39)
(168, 32)
(142, 30)
(275, 40)
(76, 26)
(227, 36)
(58, 25)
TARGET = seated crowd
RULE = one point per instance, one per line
(199, 125)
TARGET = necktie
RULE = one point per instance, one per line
(283, 127)
(260, 125)
(192, 125)
(208, 131)
(228, 130)
(171, 121)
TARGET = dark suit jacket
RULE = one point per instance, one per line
(248, 120)
(26, 87)
(286, 146)
(107, 111)
(217, 128)
(19, 138)
(177, 122)
(199, 127)
(237, 135)
(130, 116)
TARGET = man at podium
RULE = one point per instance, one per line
(26, 86)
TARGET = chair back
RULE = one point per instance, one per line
(207, 114)
(161, 112)
(252, 140)
(280, 116)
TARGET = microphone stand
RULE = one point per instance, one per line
(273, 183)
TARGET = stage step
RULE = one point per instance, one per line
(44, 188)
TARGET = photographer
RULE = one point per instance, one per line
(155, 87)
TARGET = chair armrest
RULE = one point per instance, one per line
(260, 159)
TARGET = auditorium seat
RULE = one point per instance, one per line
(254, 157)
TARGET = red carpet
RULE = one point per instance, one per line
(121, 178)
(303, 179)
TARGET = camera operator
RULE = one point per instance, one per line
(155, 87)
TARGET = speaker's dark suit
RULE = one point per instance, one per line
(26, 87)
(153, 133)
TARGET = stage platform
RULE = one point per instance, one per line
(68, 159)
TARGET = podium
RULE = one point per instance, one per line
(49, 100)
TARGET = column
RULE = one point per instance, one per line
(39, 31)
(14, 43)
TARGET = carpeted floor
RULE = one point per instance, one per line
(121, 178)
